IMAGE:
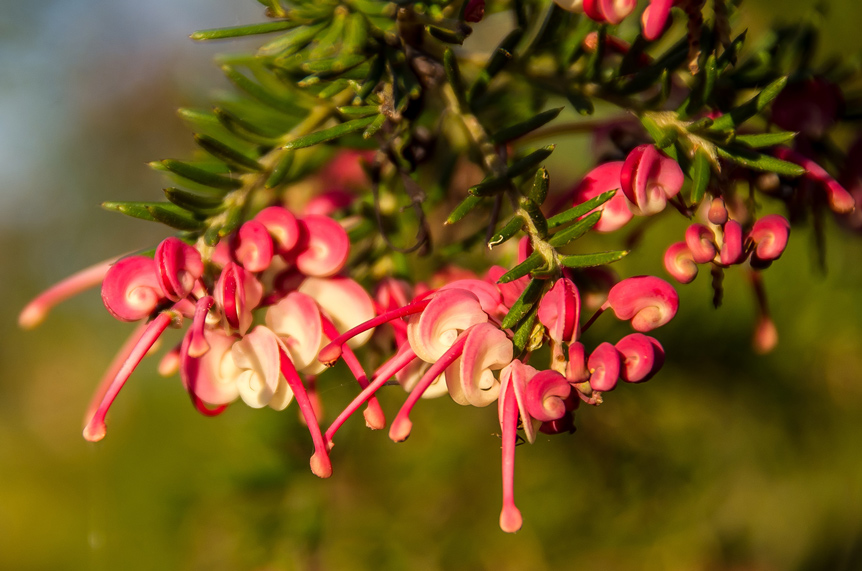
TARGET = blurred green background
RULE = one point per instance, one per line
(725, 461)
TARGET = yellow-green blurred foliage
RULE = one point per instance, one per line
(726, 460)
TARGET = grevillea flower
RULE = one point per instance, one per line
(608, 11)
(179, 267)
(679, 262)
(560, 311)
(604, 367)
(132, 289)
(731, 251)
(768, 238)
(641, 357)
(655, 18)
(616, 212)
(649, 302)
(701, 243)
(649, 178)
(282, 227)
(237, 293)
(252, 246)
(324, 246)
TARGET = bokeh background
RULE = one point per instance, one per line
(726, 461)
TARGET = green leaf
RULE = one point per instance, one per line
(375, 126)
(226, 154)
(247, 30)
(529, 297)
(765, 139)
(700, 175)
(758, 161)
(530, 161)
(292, 41)
(355, 34)
(279, 172)
(579, 210)
(359, 110)
(260, 93)
(194, 202)
(197, 175)
(163, 212)
(512, 227)
(663, 138)
(329, 134)
(750, 108)
(582, 104)
(524, 332)
(574, 231)
(524, 127)
(503, 54)
(592, 260)
(539, 191)
(244, 129)
(453, 76)
(375, 74)
(533, 262)
(463, 209)
(334, 65)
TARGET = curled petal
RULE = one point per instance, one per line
(471, 382)
(701, 243)
(769, 236)
(178, 266)
(488, 294)
(296, 321)
(610, 11)
(282, 227)
(560, 311)
(237, 293)
(616, 212)
(131, 289)
(345, 302)
(450, 312)
(324, 246)
(252, 246)
(642, 357)
(576, 369)
(649, 178)
(648, 301)
(655, 17)
(604, 365)
(679, 263)
(546, 394)
(731, 248)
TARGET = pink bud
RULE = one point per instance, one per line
(769, 236)
(252, 246)
(237, 293)
(642, 357)
(649, 178)
(131, 289)
(546, 394)
(475, 11)
(282, 226)
(655, 17)
(576, 369)
(701, 243)
(324, 248)
(765, 335)
(717, 211)
(648, 301)
(679, 263)
(327, 203)
(559, 311)
(616, 212)
(178, 266)
(604, 366)
(731, 248)
(610, 11)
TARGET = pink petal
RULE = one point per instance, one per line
(642, 357)
(131, 289)
(257, 356)
(450, 312)
(510, 516)
(296, 320)
(769, 235)
(488, 294)
(324, 248)
(546, 395)
(616, 212)
(701, 243)
(178, 266)
(486, 349)
(604, 365)
(282, 227)
(212, 376)
(731, 251)
(648, 301)
(560, 311)
(515, 376)
(345, 302)
(655, 17)
(252, 246)
(679, 263)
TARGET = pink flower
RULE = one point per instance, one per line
(324, 246)
(237, 293)
(839, 199)
(608, 11)
(642, 357)
(679, 262)
(649, 178)
(701, 243)
(655, 18)
(604, 367)
(649, 302)
(616, 212)
(560, 311)
(132, 289)
(768, 238)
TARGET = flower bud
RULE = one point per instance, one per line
(679, 263)
(131, 289)
(648, 301)
(642, 357)
(604, 366)
(649, 178)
